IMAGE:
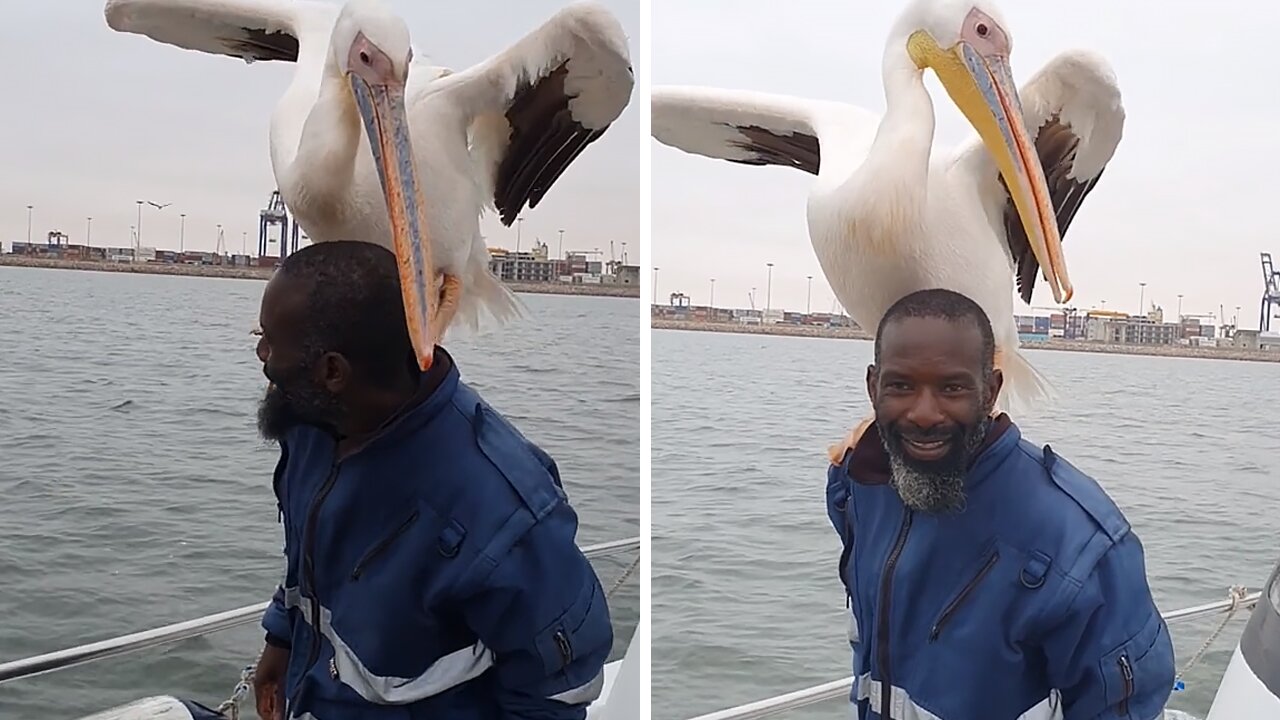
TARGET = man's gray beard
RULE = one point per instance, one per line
(931, 491)
(928, 492)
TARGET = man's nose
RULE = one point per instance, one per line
(925, 412)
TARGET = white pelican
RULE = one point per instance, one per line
(448, 145)
(889, 216)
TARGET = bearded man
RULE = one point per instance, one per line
(432, 570)
(987, 578)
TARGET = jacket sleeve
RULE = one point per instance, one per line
(542, 613)
(838, 500)
(1111, 655)
(276, 621)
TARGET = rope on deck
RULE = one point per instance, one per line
(230, 708)
(1237, 595)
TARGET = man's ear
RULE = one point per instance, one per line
(873, 383)
(995, 381)
(333, 372)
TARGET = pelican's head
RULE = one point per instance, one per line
(967, 46)
(370, 46)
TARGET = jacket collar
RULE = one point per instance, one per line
(436, 388)
(867, 463)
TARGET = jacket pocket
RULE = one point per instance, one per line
(1130, 671)
(382, 545)
(965, 593)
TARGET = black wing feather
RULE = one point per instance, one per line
(1056, 145)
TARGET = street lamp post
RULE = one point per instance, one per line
(808, 294)
(519, 222)
(29, 209)
(560, 250)
(1142, 296)
(1179, 307)
(712, 303)
(88, 231)
(182, 231)
(768, 290)
(138, 232)
(655, 285)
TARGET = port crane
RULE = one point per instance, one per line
(275, 213)
(1270, 293)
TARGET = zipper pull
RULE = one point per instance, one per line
(562, 644)
(1127, 672)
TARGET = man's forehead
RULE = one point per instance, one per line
(284, 296)
(920, 338)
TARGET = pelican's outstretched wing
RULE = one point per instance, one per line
(756, 128)
(1073, 108)
(533, 108)
(247, 29)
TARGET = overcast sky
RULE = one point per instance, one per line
(96, 120)
(1185, 206)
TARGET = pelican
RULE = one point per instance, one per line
(889, 215)
(446, 146)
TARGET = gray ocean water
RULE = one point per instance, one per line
(746, 601)
(135, 492)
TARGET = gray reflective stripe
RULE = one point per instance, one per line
(449, 671)
(902, 707)
(583, 694)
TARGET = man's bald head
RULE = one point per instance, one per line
(348, 302)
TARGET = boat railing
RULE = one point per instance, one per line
(124, 644)
(1238, 599)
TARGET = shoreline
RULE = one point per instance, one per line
(262, 273)
(1100, 348)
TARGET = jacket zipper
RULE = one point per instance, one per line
(882, 634)
(954, 605)
(309, 571)
(1127, 671)
(383, 545)
(562, 644)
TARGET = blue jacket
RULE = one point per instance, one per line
(1030, 603)
(433, 573)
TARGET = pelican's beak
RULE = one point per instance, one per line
(983, 88)
(381, 105)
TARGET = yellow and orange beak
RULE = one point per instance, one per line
(381, 106)
(983, 88)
